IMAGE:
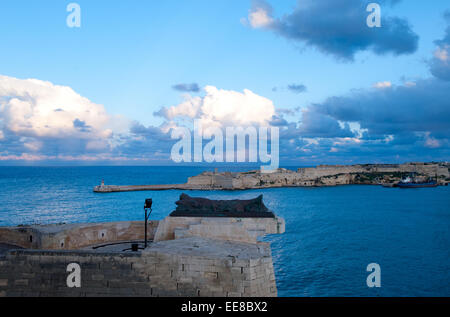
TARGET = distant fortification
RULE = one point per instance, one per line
(323, 175)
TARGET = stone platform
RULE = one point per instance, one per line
(186, 256)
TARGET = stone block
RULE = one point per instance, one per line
(28, 275)
(97, 277)
(211, 275)
(21, 282)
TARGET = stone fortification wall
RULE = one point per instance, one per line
(230, 229)
(189, 256)
(183, 267)
(75, 236)
(322, 175)
(212, 180)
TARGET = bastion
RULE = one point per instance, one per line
(216, 254)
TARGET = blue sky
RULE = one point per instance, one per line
(127, 56)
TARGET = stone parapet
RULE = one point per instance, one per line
(229, 229)
(74, 236)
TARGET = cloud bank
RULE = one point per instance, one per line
(39, 117)
(220, 108)
(337, 28)
(440, 64)
(383, 123)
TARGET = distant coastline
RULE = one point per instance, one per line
(322, 175)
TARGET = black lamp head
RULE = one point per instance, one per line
(148, 203)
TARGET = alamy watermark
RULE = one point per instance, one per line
(374, 18)
(253, 151)
(374, 278)
(74, 18)
(74, 278)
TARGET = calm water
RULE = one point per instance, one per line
(332, 234)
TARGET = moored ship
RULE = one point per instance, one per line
(409, 183)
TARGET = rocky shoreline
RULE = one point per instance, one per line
(322, 175)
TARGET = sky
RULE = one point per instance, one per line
(111, 91)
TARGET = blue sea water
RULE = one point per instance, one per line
(332, 234)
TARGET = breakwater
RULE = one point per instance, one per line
(135, 188)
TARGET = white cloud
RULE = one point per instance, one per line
(33, 145)
(36, 108)
(442, 53)
(260, 17)
(221, 108)
(40, 120)
(188, 108)
(431, 142)
(382, 85)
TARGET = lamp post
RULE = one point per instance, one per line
(148, 211)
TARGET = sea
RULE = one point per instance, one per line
(332, 233)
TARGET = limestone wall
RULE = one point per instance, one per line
(25, 237)
(320, 171)
(211, 180)
(339, 179)
(183, 267)
(229, 229)
(224, 181)
(423, 168)
(204, 179)
(190, 256)
(322, 175)
(75, 236)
